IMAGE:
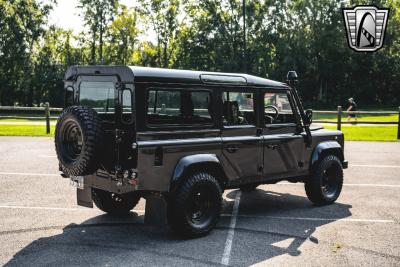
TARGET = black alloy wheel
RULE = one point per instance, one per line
(326, 181)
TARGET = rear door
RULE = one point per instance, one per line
(113, 103)
(242, 146)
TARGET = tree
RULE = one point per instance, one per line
(122, 36)
(163, 18)
(97, 14)
(21, 25)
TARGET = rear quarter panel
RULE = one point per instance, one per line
(173, 145)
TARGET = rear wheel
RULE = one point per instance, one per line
(194, 209)
(114, 204)
(325, 184)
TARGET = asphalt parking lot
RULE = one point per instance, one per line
(40, 223)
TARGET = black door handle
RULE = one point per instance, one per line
(232, 148)
(273, 147)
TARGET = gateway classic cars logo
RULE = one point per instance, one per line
(365, 26)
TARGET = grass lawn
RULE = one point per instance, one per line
(25, 130)
(352, 133)
(368, 133)
(360, 118)
(25, 120)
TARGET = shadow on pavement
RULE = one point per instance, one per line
(104, 240)
(271, 224)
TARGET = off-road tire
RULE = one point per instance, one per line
(316, 189)
(248, 187)
(115, 204)
(182, 203)
(83, 159)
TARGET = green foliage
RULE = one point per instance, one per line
(369, 133)
(305, 35)
(97, 14)
(25, 130)
(21, 25)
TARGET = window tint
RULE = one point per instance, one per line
(126, 101)
(278, 109)
(178, 107)
(127, 115)
(98, 95)
(238, 108)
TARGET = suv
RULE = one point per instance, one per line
(183, 137)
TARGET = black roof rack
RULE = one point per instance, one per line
(150, 75)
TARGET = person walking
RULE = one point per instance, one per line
(352, 107)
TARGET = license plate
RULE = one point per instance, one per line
(77, 181)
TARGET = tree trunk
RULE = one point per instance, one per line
(101, 38)
(93, 48)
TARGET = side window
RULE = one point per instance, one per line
(277, 109)
(127, 106)
(238, 108)
(178, 107)
(201, 104)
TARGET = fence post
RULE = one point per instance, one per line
(47, 114)
(398, 127)
(339, 118)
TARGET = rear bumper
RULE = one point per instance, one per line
(345, 164)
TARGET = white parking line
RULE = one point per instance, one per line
(374, 185)
(361, 185)
(375, 166)
(313, 219)
(28, 174)
(281, 183)
(232, 226)
(228, 243)
(52, 208)
(40, 208)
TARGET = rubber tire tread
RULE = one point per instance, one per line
(313, 184)
(104, 201)
(93, 136)
(176, 207)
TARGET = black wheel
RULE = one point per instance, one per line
(115, 204)
(195, 207)
(78, 140)
(248, 187)
(325, 184)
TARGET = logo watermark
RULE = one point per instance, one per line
(365, 26)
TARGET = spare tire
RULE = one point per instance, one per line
(79, 140)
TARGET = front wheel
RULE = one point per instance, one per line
(115, 204)
(325, 184)
(195, 207)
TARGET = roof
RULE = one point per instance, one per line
(146, 75)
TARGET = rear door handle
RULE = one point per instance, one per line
(232, 148)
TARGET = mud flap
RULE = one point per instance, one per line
(156, 211)
(84, 197)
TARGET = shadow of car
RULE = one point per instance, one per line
(261, 225)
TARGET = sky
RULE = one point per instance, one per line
(65, 14)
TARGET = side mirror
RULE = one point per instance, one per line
(292, 77)
(309, 115)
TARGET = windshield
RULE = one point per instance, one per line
(98, 95)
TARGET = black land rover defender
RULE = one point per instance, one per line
(185, 136)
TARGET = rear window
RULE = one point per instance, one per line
(98, 95)
(178, 107)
